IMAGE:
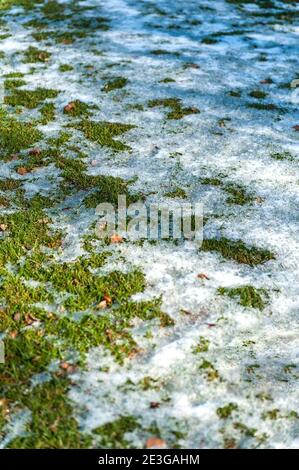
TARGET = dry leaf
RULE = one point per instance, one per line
(17, 317)
(116, 238)
(3, 227)
(155, 443)
(202, 276)
(13, 334)
(34, 151)
(69, 107)
(296, 127)
(102, 304)
(22, 170)
(29, 319)
(154, 404)
(108, 299)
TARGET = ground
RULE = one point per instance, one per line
(106, 344)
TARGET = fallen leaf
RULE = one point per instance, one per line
(155, 443)
(22, 170)
(154, 404)
(69, 107)
(17, 317)
(35, 151)
(3, 227)
(296, 127)
(116, 238)
(102, 304)
(30, 319)
(13, 334)
(108, 299)
(202, 276)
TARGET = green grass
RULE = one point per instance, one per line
(35, 55)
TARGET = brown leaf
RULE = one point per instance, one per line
(17, 316)
(35, 151)
(296, 127)
(102, 304)
(116, 238)
(108, 299)
(22, 170)
(69, 107)
(155, 443)
(3, 227)
(202, 276)
(30, 319)
(154, 405)
(13, 334)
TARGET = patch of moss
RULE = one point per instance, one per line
(65, 68)
(16, 135)
(266, 107)
(226, 411)
(248, 296)
(236, 193)
(202, 345)
(177, 193)
(52, 425)
(112, 434)
(47, 113)
(12, 83)
(209, 370)
(258, 94)
(30, 98)
(34, 55)
(115, 84)
(103, 133)
(177, 110)
(282, 156)
(237, 250)
(9, 184)
(77, 108)
(167, 80)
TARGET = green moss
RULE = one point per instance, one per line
(115, 84)
(109, 188)
(103, 133)
(11, 84)
(9, 184)
(14, 75)
(112, 435)
(248, 296)
(235, 93)
(266, 107)
(209, 370)
(238, 251)
(236, 193)
(177, 193)
(77, 108)
(202, 345)
(34, 55)
(177, 110)
(167, 80)
(209, 40)
(271, 414)
(52, 425)
(47, 113)
(282, 156)
(258, 94)
(227, 410)
(30, 98)
(65, 68)
(27, 231)
(16, 135)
